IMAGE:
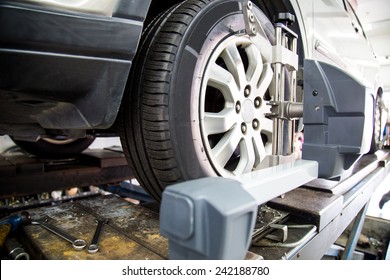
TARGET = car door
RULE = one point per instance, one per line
(338, 38)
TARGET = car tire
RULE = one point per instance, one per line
(189, 112)
(47, 148)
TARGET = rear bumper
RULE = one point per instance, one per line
(63, 70)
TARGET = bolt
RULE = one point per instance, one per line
(315, 93)
(238, 107)
(257, 102)
(252, 17)
(243, 128)
(249, 5)
(254, 30)
(247, 91)
(255, 124)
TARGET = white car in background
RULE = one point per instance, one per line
(189, 97)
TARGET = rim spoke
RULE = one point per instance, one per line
(247, 157)
(227, 145)
(234, 63)
(221, 79)
(259, 148)
(255, 67)
(266, 126)
(219, 122)
(266, 79)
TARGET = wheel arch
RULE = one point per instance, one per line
(270, 8)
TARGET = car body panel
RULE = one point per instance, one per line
(333, 35)
(101, 7)
(64, 71)
(338, 118)
(340, 72)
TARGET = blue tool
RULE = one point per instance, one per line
(12, 223)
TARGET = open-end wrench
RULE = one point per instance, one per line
(78, 244)
(94, 246)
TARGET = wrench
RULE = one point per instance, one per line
(94, 246)
(78, 244)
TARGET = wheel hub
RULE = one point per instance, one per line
(248, 111)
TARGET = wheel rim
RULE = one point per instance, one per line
(235, 131)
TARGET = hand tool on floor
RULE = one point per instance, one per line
(94, 246)
(11, 223)
(78, 244)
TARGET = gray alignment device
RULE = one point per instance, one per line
(338, 120)
(213, 218)
(210, 218)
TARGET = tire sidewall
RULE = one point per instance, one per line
(211, 26)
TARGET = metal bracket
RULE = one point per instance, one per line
(286, 110)
(281, 228)
(284, 106)
(312, 229)
(250, 19)
(284, 58)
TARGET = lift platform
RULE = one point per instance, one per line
(303, 224)
(27, 177)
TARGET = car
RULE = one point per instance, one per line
(182, 83)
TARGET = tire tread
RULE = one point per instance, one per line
(145, 133)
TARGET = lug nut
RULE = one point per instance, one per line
(255, 124)
(257, 102)
(243, 128)
(238, 107)
(247, 91)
